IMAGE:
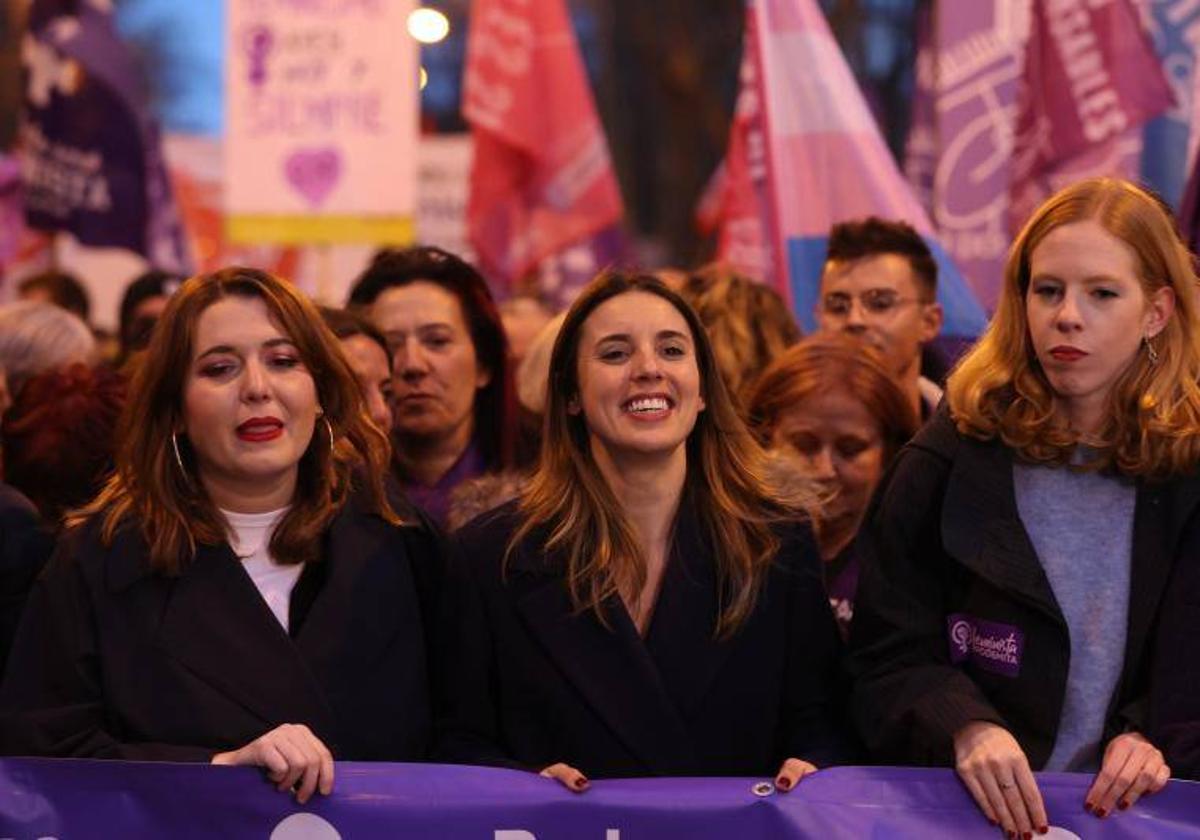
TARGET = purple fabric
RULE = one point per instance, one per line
(988, 645)
(434, 499)
(72, 799)
(841, 582)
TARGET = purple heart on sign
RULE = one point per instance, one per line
(314, 173)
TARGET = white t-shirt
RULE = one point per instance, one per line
(250, 541)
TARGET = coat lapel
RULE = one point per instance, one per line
(218, 626)
(681, 635)
(982, 529)
(610, 668)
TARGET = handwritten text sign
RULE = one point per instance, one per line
(321, 121)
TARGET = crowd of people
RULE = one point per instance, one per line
(660, 533)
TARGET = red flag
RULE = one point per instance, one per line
(737, 200)
(541, 178)
(1091, 78)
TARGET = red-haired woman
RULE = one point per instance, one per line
(831, 410)
(1015, 557)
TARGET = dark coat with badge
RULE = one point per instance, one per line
(956, 620)
(114, 660)
(529, 680)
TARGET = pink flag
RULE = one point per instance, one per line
(1091, 77)
(541, 178)
(804, 154)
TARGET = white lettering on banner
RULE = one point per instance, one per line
(578, 175)
(61, 179)
(522, 834)
(1097, 103)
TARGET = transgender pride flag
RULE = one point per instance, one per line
(804, 154)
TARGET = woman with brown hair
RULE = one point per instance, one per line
(1015, 557)
(240, 591)
(831, 411)
(649, 605)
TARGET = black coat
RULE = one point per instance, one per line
(1174, 713)
(116, 661)
(25, 545)
(528, 680)
(943, 543)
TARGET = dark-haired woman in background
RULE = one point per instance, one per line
(452, 389)
(831, 410)
(649, 606)
(240, 592)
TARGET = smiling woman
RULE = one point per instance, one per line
(651, 605)
(242, 564)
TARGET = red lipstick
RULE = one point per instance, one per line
(1067, 353)
(260, 429)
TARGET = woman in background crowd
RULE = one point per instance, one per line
(650, 606)
(452, 389)
(1014, 559)
(367, 352)
(748, 324)
(142, 305)
(830, 408)
(240, 592)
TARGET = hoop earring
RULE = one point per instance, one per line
(329, 428)
(179, 459)
(1150, 351)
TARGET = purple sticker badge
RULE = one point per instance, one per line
(314, 172)
(988, 645)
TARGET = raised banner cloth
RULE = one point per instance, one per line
(70, 799)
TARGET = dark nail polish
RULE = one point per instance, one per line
(1123, 804)
(1044, 829)
(1089, 807)
(782, 784)
(992, 821)
(580, 784)
(1028, 835)
(1101, 813)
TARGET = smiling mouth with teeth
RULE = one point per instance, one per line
(647, 404)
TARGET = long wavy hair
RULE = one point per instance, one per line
(572, 509)
(1152, 422)
(170, 506)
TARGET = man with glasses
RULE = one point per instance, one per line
(880, 283)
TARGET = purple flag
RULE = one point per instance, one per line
(91, 160)
(1091, 77)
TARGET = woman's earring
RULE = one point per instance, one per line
(179, 458)
(1150, 351)
(328, 428)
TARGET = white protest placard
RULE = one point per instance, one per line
(321, 121)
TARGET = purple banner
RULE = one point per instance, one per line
(84, 799)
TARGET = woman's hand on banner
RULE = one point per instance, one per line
(791, 772)
(1132, 768)
(571, 778)
(996, 772)
(294, 758)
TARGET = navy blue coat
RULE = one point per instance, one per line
(528, 680)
